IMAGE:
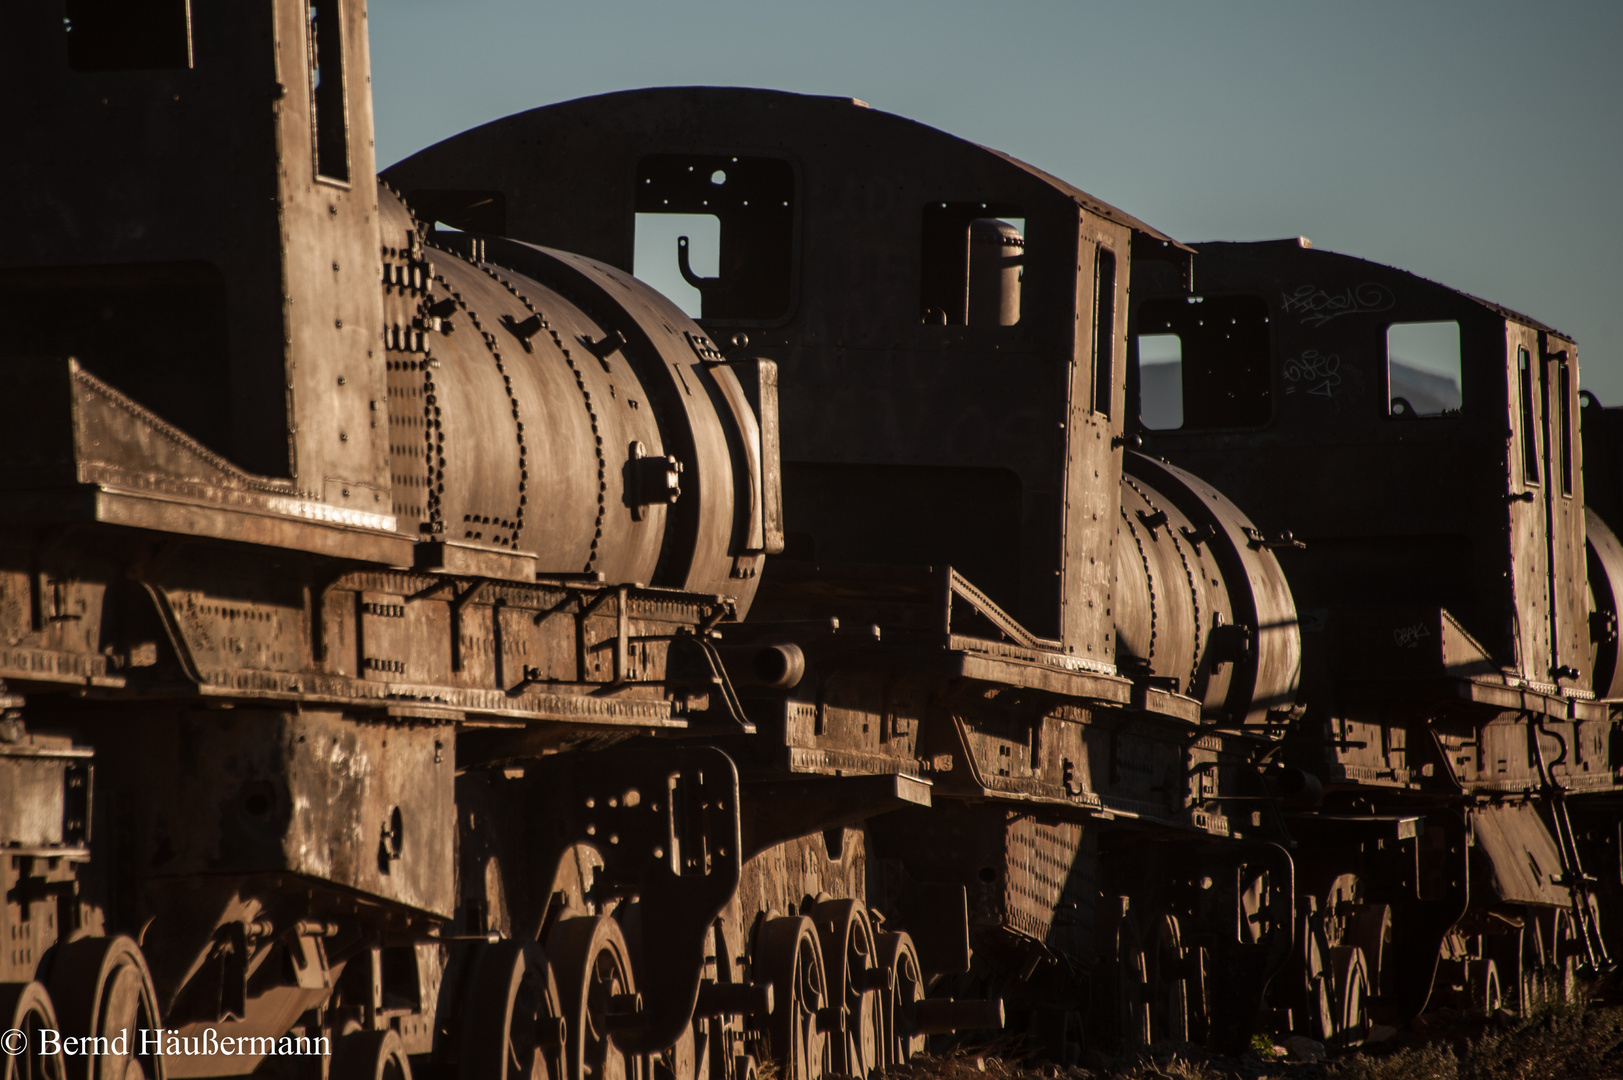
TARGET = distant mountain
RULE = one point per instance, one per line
(1429, 393)
(1160, 388)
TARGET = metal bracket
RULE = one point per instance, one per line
(1257, 541)
(682, 264)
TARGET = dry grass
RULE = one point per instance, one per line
(1169, 1061)
(1578, 1040)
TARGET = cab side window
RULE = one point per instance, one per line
(1423, 369)
(1203, 362)
(716, 233)
(128, 35)
(972, 264)
(1526, 376)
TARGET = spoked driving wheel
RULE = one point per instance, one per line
(1350, 995)
(896, 956)
(26, 1008)
(854, 985)
(1132, 983)
(1483, 986)
(1318, 979)
(1530, 989)
(1566, 955)
(101, 987)
(598, 997)
(515, 1028)
(1166, 962)
(789, 953)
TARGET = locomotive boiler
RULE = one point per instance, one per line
(429, 649)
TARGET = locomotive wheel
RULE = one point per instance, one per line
(1519, 957)
(1168, 987)
(515, 1029)
(597, 993)
(854, 982)
(1530, 981)
(1350, 987)
(1482, 983)
(370, 1055)
(1318, 982)
(715, 1037)
(1565, 954)
(904, 986)
(101, 987)
(1506, 951)
(1549, 957)
(789, 953)
(1197, 1007)
(27, 1008)
(1132, 983)
(1370, 928)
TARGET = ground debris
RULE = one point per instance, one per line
(1574, 1040)
(1162, 1061)
(1577, 1040)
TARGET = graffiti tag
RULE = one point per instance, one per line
(1407, 637)
(1318, 306)
(1319, 373)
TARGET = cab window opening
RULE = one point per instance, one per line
(1104, 328)
(1203, 362)
(329, 115)
(1160, 380)
(658, 236)
(972, 264)
(1564, 387)
(1423, 370)
(716, 232)
(1524, 379)
(128, 35)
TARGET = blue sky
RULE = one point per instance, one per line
(1477, 144)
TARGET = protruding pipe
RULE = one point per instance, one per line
(996, 253)
(775, 667)
(874, 978)
(551, 1031)
(939, 1016)
(625, 1012)
(1297, 789)
(832, 1018)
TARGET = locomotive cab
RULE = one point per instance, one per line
(965, 412)
(1412, 451)
(1442, 434)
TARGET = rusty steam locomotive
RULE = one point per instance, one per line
(421, 640)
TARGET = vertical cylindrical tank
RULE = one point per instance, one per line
(996, 252)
